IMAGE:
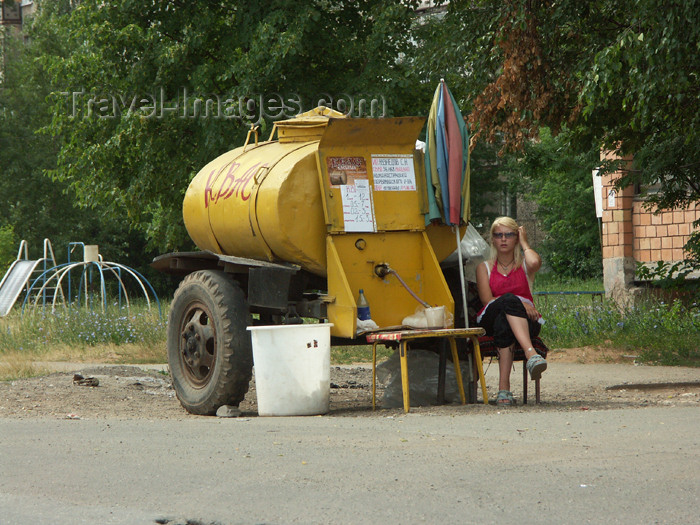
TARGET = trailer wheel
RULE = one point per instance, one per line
(209, 350)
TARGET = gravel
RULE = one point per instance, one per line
(578, 379)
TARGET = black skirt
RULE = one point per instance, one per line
(496, 324)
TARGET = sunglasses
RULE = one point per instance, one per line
(507, 235)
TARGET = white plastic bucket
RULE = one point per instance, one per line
(292, 369)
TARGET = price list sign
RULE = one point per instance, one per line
(358, 212)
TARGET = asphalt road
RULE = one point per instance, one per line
(637, 465)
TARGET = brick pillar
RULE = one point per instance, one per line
(618, 237)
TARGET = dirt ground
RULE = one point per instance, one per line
(577, 379)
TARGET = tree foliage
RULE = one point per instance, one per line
(34, 207)
(114, 86)
(560, 184)
(135, 136)
(8, 247)
(619, 75)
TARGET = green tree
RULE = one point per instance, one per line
(32, 205)
(134, 163)
(642, 94)
(8, 247)
(618, 74)
(560, 183)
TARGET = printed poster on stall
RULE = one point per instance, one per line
(393, 172)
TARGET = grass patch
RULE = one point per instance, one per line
(80, 327)
(348, 355)
(15, 367)
(116, 336)
(548, 282)
(660, 332)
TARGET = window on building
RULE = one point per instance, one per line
(11, 12)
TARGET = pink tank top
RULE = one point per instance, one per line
(515, 282)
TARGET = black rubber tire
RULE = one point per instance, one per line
(209, 349)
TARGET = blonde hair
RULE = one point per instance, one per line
(509, 223)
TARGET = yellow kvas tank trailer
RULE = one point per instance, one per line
(295, 227)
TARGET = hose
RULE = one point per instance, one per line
(421, 301)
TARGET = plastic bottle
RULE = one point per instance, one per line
(363, 307)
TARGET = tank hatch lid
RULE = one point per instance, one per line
(305, 127)
(371, 175)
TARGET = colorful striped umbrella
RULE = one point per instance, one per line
(447, 168)
(447, 160)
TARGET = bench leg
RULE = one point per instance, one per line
(441, 373)
(458, 370)
(374, 375)
(537, 386)
(403, 350)
(474, 380)
(480, 368)
(524, 381)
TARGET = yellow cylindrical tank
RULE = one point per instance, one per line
(263, 201)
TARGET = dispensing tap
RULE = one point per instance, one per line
(382, 270)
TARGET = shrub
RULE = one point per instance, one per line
(8, 247)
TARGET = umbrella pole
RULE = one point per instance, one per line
(461, 278)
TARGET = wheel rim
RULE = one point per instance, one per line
(198, 345)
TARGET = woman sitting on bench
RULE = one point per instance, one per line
(509, 314)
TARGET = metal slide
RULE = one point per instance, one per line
(19, 275)
(15, 279)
